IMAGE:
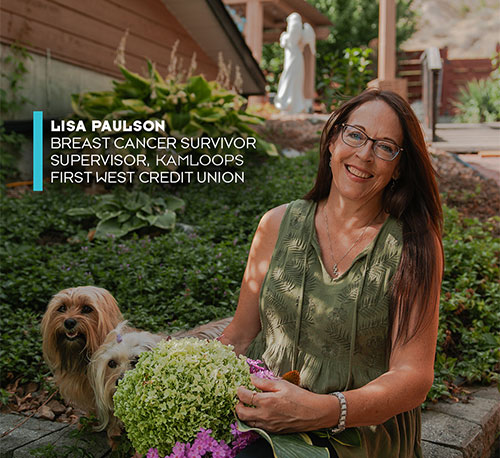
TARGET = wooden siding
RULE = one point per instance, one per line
(87, 33)
(456, 74)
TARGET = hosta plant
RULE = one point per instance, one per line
(193, 108)
(122, 212)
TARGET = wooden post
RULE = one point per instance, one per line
(387, 40)
(254, 27)
(387, 52)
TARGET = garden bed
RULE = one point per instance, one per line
(179, 279)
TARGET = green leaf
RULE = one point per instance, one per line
(77, 106)
(137, 201)
(177, 121)
(166, 220)
(174, 203)
(288, 445)
(107, 214)
(137, 106)
(213, 114)
(151, 219)
(198, 86)
(109, 226)
(350, 437)
(154, 74)
(80, 211)
(137, 80)
(266, 147)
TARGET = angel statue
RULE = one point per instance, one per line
(296, 85)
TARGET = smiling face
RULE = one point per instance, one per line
(357, 174)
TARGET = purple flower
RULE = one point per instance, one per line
(259, 371)
(179, 450)
(152, 453)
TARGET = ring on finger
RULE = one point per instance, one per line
(253, 395)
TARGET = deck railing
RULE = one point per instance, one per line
(432, 77)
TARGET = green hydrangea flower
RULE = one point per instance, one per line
(177, 388)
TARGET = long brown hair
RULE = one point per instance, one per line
(413, 199)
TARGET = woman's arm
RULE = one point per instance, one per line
(246, 323)
(286, 408)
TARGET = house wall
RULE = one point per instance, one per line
(66, 36)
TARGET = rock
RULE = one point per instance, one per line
(45, 413)
(186, 228)
(56, 407)
(290, 152)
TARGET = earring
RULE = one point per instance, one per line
(393, 185)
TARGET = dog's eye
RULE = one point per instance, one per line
(134, 361)
(87, 309)
(61, 309)
(112, 363)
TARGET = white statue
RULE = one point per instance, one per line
(296, 85)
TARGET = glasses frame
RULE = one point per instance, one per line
(374, 140)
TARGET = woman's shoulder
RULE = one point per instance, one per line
(273, 218)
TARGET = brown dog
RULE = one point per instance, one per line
(75, 324)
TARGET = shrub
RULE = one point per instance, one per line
(346, 77)
(469, 329)
(479, 100)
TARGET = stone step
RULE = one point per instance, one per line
(36, 433)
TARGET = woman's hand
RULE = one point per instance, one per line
(283, 407)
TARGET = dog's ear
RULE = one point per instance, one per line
(108, 313)
(116, 335)
(47, 328)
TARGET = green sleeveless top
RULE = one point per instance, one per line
(333, 331)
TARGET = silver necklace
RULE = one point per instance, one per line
(336, 264)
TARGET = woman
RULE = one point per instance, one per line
(343, 286)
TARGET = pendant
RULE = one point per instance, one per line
(335, 271)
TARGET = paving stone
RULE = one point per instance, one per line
(477, 410)
(29, 432)
(486, 392)
(453, 432)
(94, 443)
(483, 411)
(431, 450)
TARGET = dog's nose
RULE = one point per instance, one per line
(70, 323)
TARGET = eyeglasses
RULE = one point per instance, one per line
(383, 149)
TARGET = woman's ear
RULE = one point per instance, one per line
(396, 173)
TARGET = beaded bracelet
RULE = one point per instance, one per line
(343, 413)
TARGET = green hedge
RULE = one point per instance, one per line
(180, 279)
